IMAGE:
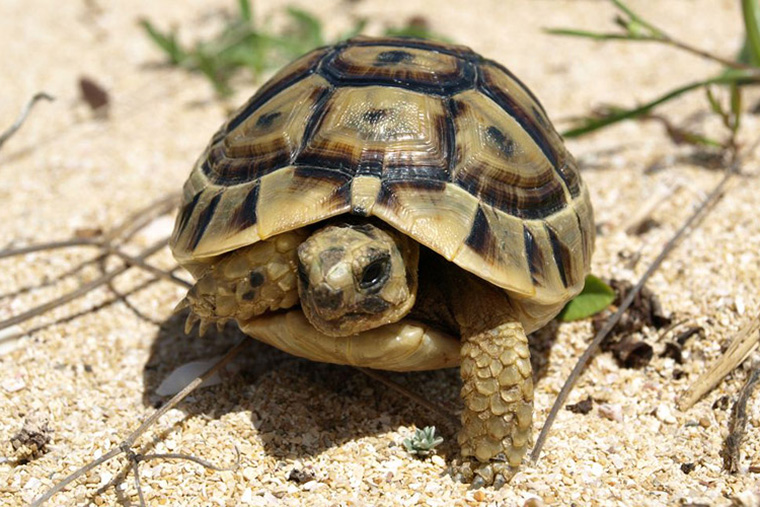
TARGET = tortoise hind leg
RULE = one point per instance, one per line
(498, 403)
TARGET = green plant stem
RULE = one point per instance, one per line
(662, 39)
(729, 77)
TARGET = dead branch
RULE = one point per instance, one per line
(81, 291)
(126, 445)
(704, 207)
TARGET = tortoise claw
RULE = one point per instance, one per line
(184, 303)
(190, 322)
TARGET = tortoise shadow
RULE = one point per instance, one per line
(302, 408)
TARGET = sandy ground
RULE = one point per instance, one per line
(93, 366)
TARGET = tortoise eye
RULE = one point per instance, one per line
(376, 274)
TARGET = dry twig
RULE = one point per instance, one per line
(22, 117)
(706, 205)
(741, 347)
(738, 426)
(126, 445)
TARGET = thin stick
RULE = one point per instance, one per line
(53, 245)
(409, 394)
(24, 114)
(702, 209)
(126, 444)
(79, 292)
(741, 347)
(138, 219)
(187, 457)
(738, 426)
(140, 262)
(103, 304)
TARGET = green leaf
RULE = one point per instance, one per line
(751, 12)
(637, 26)
(309, 28)
(595, 297)
(594, 35)
(167, 42)
(736, 107)
(728, 77)
(714, 102)
(245, 10)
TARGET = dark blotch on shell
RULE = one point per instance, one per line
(374, 115)
(266, 120)
(505, 145)
(393, 57)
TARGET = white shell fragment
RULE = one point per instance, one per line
(182, 376)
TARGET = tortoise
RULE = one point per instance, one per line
(397, 204)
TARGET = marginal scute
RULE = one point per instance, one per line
(416, 69)
(500, 254)
(440, 217)
(296, 197)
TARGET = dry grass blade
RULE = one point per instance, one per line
(53, 245)
(451, 418)
(22, 117)
(738, 426)
(10, 335)
(741, 347)
(119, 234)
(81, 291)
(142, 217)
(125, 446)
(706, 205)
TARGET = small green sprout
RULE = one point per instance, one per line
(423, 442)
(245, 43)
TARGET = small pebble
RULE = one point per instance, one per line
(611, 411)
(249, 473)
(664, 414)
(704, 421)
(12, 385)
(533, 501)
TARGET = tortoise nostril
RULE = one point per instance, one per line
(325, 298)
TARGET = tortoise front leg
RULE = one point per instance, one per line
(498, 403)
(495, 366)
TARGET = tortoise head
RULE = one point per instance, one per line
(352, 278)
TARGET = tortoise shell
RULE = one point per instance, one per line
(444, 145)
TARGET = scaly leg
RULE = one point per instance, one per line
(498, 403)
